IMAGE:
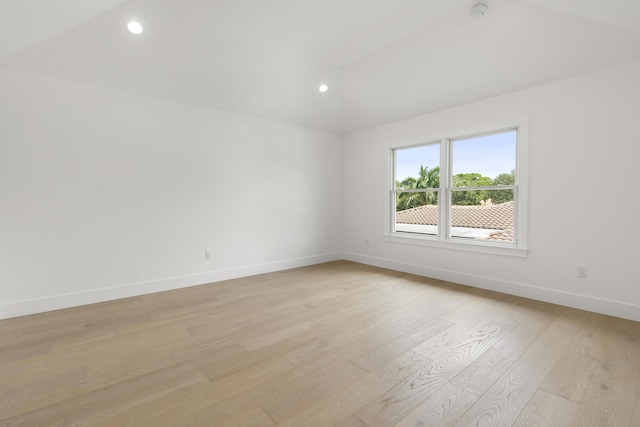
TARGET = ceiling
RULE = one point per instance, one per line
(383, 60)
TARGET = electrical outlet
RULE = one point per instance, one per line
(366, 242)
(582, 271)
(207, 255)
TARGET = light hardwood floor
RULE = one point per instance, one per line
(338, 344)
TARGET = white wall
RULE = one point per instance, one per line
(584, 208)
(106, 194)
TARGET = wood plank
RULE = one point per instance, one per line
(571, 376)
(442, 409)
(237, 362)
(336, 344)
(169, 409)
(507, 397)
(329, 343)
(50, 332)
(591, 340)
(18, 398)
(156, 411)
(104, 403)
(289, 394)
(374, 359)
(635, 417)
(480, 314)
(341, 405)
(250, 377)
(352, 421)
(255, 417)
(572, 318)
(397, 322)
(479, 375)
(282, 396)
(610, 397)
(22, 351)
(400, 400)
(276, 336)
(547, 410)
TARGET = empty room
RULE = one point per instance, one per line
(348, 213)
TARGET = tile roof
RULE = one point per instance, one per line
(494, 217)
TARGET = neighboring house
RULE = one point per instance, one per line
(497, 220)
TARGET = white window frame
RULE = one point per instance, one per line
(519, 248)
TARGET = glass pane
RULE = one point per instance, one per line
(483, 215)
(484, 160)
(417, 212)
(417, 167)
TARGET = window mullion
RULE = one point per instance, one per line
(516, 219)
(444, 200)
(419, 190)
(491, 187)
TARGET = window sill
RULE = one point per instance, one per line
(457, 244)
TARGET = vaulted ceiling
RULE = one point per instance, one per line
(383, 60)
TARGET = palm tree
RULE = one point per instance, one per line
(427, 179)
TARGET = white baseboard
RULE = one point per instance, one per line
(567, 299)
(56, 302)
(583, 302)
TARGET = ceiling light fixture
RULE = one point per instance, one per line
(323, 88)
(479, 9)
(134, 27)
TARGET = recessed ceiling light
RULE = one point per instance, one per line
(134, 27)
(323, 88)
(479, 9)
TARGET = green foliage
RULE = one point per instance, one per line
(502, 196)
(427, 178)
(505, 178)
(471, 180)
(430, 179)
(471, 197)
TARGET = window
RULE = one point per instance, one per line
(466, 192)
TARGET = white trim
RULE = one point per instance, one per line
(522, 182)
(389, 197)
(583, 302)
(56, 302)
(451, 243)
(444, 198)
